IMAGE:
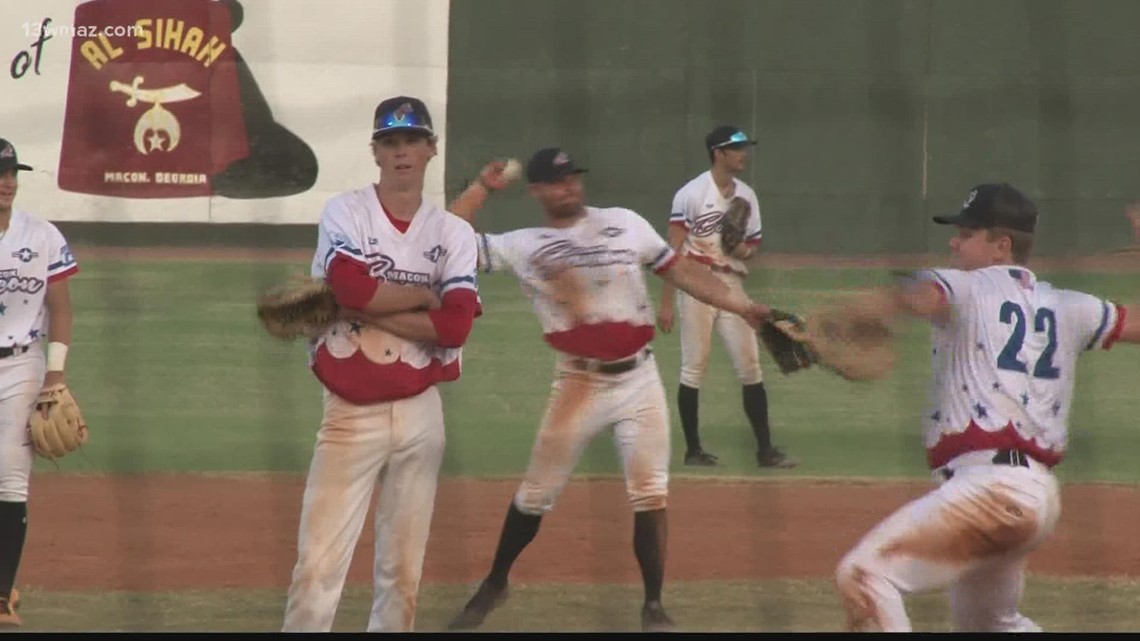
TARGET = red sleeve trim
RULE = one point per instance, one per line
(668, 264)
(753, 243)
(350, 282)
(67, 273)
(942, 297)
(1118, 328)
(454, 318)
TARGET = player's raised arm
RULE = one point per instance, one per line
(495, 175)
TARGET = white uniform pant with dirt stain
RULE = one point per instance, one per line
(580, 407)
(398, 445)
(698, 321)
(21, 379)
(973, 533)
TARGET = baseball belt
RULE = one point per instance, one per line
(610, 367)
(1015, 458)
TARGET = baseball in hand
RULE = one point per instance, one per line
(512, 170)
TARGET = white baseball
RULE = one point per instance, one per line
(513, 169)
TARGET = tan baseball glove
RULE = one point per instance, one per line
(56, 427)
(302, 307)
(734, 224)
(850, 338)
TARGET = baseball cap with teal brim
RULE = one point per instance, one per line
(727, 136)
(8, 158)
(401, 113)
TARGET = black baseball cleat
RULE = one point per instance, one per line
(486, 598)
(701, 458)
(775, 457)
(654, 618)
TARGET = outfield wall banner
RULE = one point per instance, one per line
(227, 111)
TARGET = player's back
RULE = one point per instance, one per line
(1004, 364)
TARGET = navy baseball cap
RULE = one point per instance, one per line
(727, 136)
(993, 205)
(8, 158)
(551, 165)
(401, 113)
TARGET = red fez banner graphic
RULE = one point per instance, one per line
(155, 112)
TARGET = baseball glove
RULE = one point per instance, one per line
(850, 339)
(56, 427)
(303, 307)
(734, 224)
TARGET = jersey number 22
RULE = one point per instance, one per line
(1044, 321)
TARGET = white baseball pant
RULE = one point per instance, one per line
(21, 379)
(698, 320)
(399, 445)
(973, 533)
(581, 406)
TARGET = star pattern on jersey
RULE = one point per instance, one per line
(965, 388)
(1024, 399)
(34, 334)
(980, 410)
(980, 346)
(388, 352)
(3, 308)
(997, 386)
(1056, 409)
(354, 327)
(936, 416)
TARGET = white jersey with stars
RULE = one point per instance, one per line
(364, 363)
(33, 253)
(1004, 363)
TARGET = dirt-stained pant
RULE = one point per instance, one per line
(581, 406)
(698, 320)
(398, 445)
(21, 378)
(973, 533)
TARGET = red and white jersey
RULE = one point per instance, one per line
(1004, 364)
(363, 363)
(586, 281)
(33, 253)
(698, 206)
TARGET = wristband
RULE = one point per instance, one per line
(56, 356)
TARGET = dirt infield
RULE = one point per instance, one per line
(194, 531)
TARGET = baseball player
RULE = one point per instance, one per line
(35, 265)
(1004, 355)
(407, 267)
(1132, 213)
(582, 270)
(694, 230)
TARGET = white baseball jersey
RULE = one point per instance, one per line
(33, 253)
(698, 206)
(1004, 364)
(604, 312)
(363, 363)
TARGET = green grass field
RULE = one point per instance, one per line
(174, 374)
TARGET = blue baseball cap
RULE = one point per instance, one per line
(401, 113)
(992, 205)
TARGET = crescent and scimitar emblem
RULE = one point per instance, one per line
(156, 120)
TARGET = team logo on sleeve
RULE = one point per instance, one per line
(25, 254)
